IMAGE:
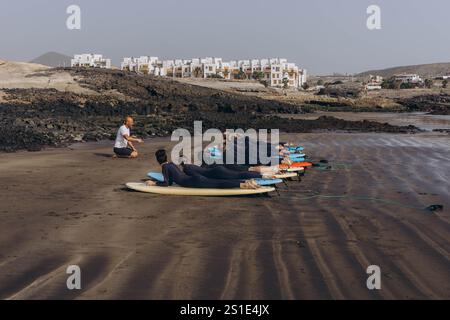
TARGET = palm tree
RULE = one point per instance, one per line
(241, 75)
(258, 75)
(198, 72)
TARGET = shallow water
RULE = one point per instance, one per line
(419, 119)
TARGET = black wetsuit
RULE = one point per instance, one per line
(173, 174)
(219, 172)
(245, 148)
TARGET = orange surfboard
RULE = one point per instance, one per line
(295, 165)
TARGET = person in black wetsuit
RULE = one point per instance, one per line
(246, 167)
(219, 172)
(173, 174)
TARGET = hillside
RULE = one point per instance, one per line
(425, 70)
(18, 75)
(53, 59)
(23, 75)
(10, 69)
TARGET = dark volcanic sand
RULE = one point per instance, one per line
(63, 207)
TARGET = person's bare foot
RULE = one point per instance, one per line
(244, 185)
(254, 184)
(248, 185)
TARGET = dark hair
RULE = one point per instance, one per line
(161, 156)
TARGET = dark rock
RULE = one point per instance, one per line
(432, 103)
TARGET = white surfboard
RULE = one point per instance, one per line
(206, 192)
(294, 169)
(285, 175)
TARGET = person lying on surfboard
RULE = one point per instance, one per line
(284, 153)
(283, 148)
(172, 174)
(242, 167)
(222, 172)
(267, 171)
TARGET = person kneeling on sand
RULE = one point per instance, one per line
(123, 146)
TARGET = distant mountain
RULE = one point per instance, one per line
(424, 70)
(53, 59)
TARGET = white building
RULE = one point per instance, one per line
(375, 83)
(90, 61)
(373, 86)
(276, 72)
(408, 78)
(143, 64)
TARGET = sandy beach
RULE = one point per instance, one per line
(347, 104)
(313, 241)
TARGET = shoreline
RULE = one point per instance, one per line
(110, 143)
(422, 120)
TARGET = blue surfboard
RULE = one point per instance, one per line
(297, 155)
(156, 176)
(215, 153)
(295, 149)
(215, 156)
(296, 158)
(268, 182)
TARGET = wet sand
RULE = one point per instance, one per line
(68, 206)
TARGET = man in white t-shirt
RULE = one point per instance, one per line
(123, 147)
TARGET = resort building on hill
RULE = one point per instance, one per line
(275, 72)
(142, 64)
(90, 61)
(408, 78)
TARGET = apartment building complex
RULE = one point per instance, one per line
(91, 61)
(276, 72)
(408, 78)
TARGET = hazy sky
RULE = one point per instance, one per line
(323, 36)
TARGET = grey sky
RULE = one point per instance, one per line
(323, 36)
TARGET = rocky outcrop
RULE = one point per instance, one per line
(433, 104)
(323, 123)
(346, 90)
